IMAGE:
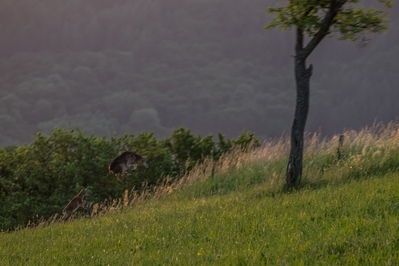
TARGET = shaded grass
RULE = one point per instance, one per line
(345, 213)
(355, 223)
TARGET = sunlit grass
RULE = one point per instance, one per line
(346, 212)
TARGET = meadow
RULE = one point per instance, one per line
(237, 212)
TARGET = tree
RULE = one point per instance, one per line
(316, 19)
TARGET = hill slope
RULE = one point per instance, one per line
(133, 66)
(346, 212)
(353, 223)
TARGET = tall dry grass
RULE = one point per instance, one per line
(372, 150)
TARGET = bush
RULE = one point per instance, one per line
(39, 179)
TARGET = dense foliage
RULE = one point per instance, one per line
(39, 179)
(132, 66)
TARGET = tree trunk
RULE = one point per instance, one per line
(293, 174)
(294, 167)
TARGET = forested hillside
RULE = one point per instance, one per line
(115, 67)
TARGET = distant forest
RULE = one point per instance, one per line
(129, 66)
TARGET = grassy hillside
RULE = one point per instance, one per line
(346, 212)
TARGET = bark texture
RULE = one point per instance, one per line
(302, 77)
(294, 167)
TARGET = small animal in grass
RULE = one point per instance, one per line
(120, 164)
(74, 204)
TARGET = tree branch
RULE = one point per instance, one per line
(335, 5)
(299, 41)
(307, 12)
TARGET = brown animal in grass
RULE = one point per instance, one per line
(74, 204)
(123, 162)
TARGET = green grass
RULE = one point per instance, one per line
(345, 213)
